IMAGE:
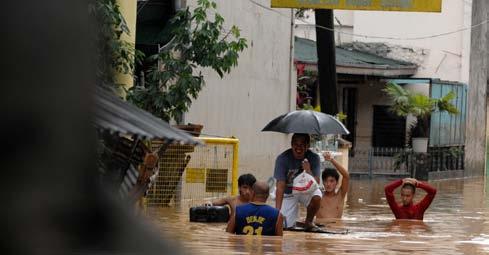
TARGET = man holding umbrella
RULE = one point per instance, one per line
(289, 165)
(298, 159)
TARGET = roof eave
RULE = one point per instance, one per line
(384, 71)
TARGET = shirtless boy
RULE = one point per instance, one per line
(245, 184)
(333, 198)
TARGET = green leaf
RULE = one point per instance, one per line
(171, 83)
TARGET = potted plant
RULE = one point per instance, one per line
(421, 107)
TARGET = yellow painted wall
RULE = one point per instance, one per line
(370, 5)
(128, 9)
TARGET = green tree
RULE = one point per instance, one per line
(197, 41)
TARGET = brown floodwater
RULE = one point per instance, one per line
(457, 222)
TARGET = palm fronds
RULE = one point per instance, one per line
(421, 105)
(400, 98)
(406, 102)
(444, 103)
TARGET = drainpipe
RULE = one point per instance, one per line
(341, 29)
(292, 83)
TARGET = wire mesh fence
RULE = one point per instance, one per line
(191, 174)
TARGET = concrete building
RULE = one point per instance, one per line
(260, 88)
(428, 40)
(444, 57)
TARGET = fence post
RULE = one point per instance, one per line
(235, 170)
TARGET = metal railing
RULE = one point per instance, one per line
(401, 161)
(447, 158)
(377, 161)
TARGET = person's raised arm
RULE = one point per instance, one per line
(231, 228)
(345, 180)
(280, 225)
(389, 195)
(430, 194)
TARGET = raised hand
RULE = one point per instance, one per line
(411, 181)
(328, 156)
(306, 166)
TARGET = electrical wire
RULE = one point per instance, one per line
(400, 38)
(377, 37)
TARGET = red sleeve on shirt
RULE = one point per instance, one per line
(431, 192)
(389, 195)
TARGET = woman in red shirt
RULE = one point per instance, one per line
(407, 209)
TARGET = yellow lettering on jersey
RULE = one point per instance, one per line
(252, 219)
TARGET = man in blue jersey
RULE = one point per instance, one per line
(256, 217)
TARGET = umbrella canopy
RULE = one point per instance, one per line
(308, 122)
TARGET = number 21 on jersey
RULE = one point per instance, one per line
(249, 230)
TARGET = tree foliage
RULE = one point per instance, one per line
(198, 40)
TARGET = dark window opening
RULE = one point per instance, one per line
(389, 130)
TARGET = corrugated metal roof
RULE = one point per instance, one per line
(305, 51)
(118, 116)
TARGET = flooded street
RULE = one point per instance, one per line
(456, 223)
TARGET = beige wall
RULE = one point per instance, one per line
(444, 54)
(369, 94)
(446, 57)
(343, 22)
(259, 89)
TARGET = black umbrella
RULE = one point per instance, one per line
(307, 122)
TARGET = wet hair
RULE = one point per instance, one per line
(246, 179)
(409, 186)
(306, 137)
(330, 172)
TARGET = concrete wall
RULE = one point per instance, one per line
(259, 89)
(128, 9)
(369, 94)
(305, 27)
(476, 132)
(444, 59)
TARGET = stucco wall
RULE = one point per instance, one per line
(445, 56)
(476, 129)
(256, 91)
(369, 94)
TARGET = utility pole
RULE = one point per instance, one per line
(476, 125)
(326, 51)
